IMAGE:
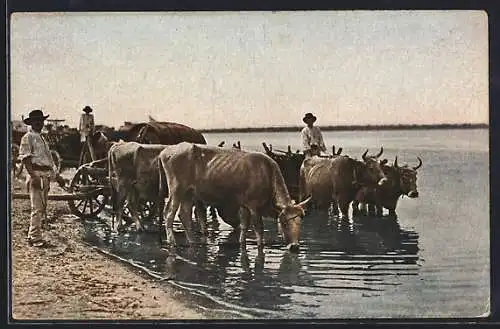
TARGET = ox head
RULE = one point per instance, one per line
(408, 178)
(101, 144)
(147, 135)
(289, 221)
(373, 173)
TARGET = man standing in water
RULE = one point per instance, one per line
(312, 139)
(87, 128)
(35, 154)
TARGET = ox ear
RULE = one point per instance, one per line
(303, 203)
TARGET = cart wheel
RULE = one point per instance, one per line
(57, 159)
(88, 207)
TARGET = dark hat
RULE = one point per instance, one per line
(87, 109)
(35, 115)
(309, 117)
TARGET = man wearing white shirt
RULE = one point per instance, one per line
(35, 154)
(312, 139)
(87, 127)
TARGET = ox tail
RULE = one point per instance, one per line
(113, 193)
(162, 188)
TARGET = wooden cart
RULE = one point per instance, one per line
(89, 193)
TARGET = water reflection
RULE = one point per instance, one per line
(336, 257)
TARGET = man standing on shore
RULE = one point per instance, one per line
(35, 154)
(312, 139)
(87, 127)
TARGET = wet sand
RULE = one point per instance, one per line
(68, 280)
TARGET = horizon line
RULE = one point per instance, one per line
(353, 127)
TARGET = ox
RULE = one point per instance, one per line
(133, 176)
(402, 180)
(246, 184)
(336, 180)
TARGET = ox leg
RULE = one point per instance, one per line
(213, 214)
(344, 208)
(334, 206)
(201, 217)
(259, 230)
(392, 212)
(355, 208)
(133, 206)
(169, 212)
(120, 204)
(244, 215)
(371, 210)
(186, 217)
(362, 209)
(380, 210)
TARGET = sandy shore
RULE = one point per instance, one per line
(68, 280)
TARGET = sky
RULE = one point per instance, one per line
(252, 69)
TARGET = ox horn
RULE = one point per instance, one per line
(364, 154)
(396, 161)
(339, 151)
(303, 203)
(419, 164)
(221, 144)
(380, 153)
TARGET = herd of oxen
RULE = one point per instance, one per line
(244, 186)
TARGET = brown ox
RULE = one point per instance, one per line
(336, 180)
(164, 133)
(249, 184)
(401, 181)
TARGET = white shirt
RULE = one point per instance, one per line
(312, 136)
(35, 146)
(86, 125)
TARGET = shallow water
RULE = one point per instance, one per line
(432, 261)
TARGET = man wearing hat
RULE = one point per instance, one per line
(87, 128)
(35, 154)
(312, 139)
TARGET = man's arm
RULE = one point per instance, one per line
(82, 123)
(321, 142)
(305, 140)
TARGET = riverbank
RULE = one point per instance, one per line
(69, 281)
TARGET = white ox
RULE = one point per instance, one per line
(248, 185)
(133, 176)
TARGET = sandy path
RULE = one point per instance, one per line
(68, 280)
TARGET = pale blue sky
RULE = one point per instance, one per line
(251, 69)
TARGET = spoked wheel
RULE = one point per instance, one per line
(57, 159)
(84, 182)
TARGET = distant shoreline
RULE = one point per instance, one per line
(350, 128)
